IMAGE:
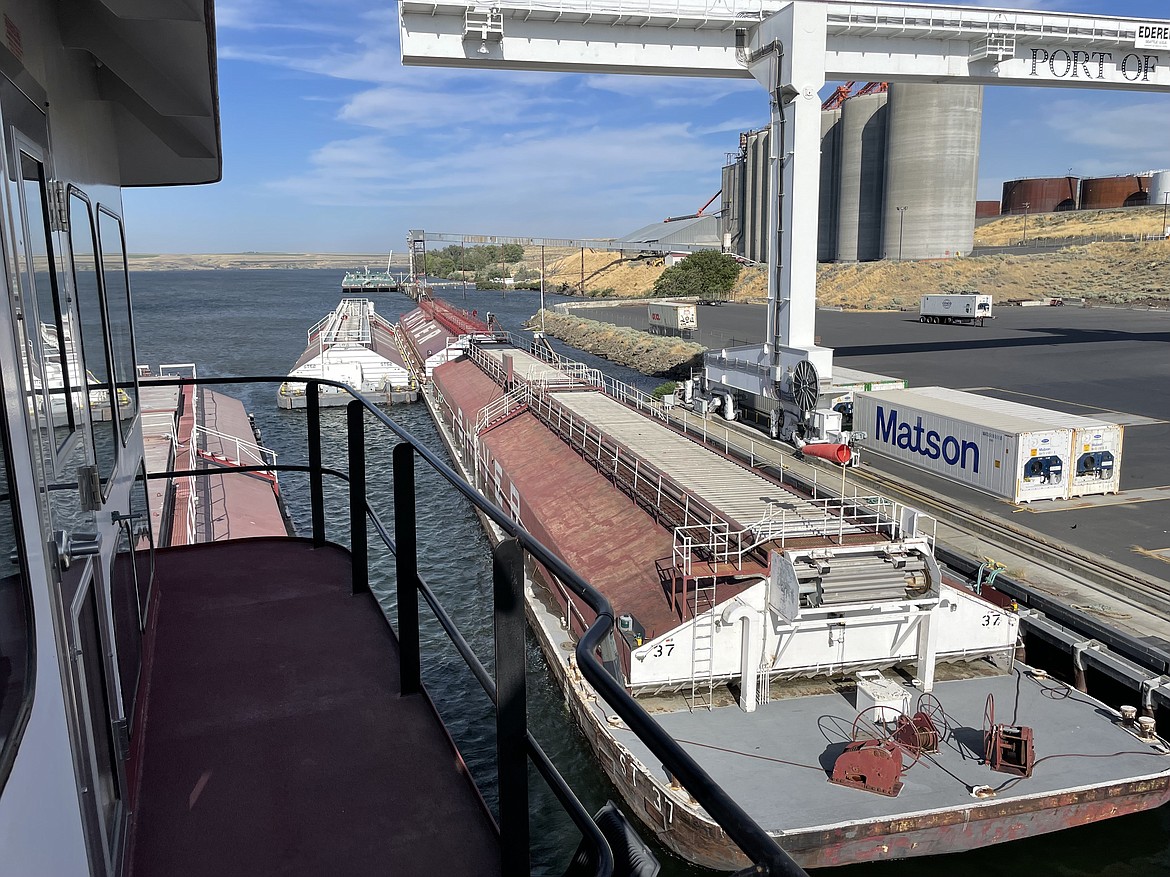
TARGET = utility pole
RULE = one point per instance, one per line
(1165, 204)
(1026, 206)
(901, 222)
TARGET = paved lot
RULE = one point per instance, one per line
(1100, 362)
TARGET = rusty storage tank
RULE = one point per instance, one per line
(986, 209)
(731, 207)
(1041, 194)
(861, 182)
(830, 168)
(1127, 190)
(756, 188)
(932, 167)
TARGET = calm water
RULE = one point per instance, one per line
(254, 323)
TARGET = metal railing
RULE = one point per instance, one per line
(515, 744)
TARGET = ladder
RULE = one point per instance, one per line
(703, 647)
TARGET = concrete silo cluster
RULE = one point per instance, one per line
(897, 179)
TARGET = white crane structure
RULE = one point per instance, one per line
(792, 49)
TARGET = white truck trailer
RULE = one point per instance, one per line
(1095, 461)
(1013, 451)
(965, 307)
(672, 318)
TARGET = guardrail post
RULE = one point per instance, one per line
(511, 706)
(406, 568)
(316, 483)
(359, 548)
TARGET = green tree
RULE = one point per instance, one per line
(511, 253)
(701, 273)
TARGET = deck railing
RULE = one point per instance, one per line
(515, 744)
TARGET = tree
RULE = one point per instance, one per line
(701, 273)
(511, 253)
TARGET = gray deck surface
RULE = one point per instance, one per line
(775, 762)
(740, 495)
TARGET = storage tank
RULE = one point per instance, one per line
(862, 178)
(1102, 193)
(932, 167)
(1160, 188)
(986, 209)
(830, 168)
(1041, 194)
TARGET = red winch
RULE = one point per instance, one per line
(872, 765)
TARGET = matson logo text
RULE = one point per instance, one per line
(928, 443)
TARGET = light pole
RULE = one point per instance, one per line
(901, 223)
(1025, 240)
(1165, 204)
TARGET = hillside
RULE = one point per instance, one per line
(1104, 273)
(1008, 231)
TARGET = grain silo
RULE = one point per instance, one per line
(756, 189)
(862, 177)
(830, 168)
(731, 207)
(1041, 194)
(1102, 193)
(986, 209)
(932, 167)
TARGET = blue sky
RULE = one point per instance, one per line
(330, 145)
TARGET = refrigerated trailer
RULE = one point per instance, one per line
(672, 317)
(959, 308)
(1003, 448)
(1095, 459)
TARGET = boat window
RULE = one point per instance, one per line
(50, 356)
(16, 622)
(87, 291)
(116, 283)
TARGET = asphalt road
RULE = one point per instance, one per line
(1090, 361)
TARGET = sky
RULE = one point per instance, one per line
(331, 145)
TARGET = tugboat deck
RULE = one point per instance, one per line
(776, 761)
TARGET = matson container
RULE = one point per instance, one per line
(1010, 454)
(1095, 462)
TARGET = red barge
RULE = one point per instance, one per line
(807, 651)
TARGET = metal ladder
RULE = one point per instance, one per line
(703, 648)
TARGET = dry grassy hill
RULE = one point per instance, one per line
(1008, 231)
(1106, 272)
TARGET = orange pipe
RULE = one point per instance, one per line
(840, 454)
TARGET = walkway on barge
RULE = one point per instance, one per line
(744, 499)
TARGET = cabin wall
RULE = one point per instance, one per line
(41, 825)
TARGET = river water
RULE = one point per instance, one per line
(254, 322)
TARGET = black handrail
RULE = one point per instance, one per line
(758, 846)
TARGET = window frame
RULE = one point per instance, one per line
(115, 378)
(71, 193)
(11, 745)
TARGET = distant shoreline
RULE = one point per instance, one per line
(222, 261)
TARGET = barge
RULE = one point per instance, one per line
(807, 650)
(356, 346)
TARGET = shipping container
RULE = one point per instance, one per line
(1095, 464)
(672, 317)
(1009, 453)
(959, 308)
